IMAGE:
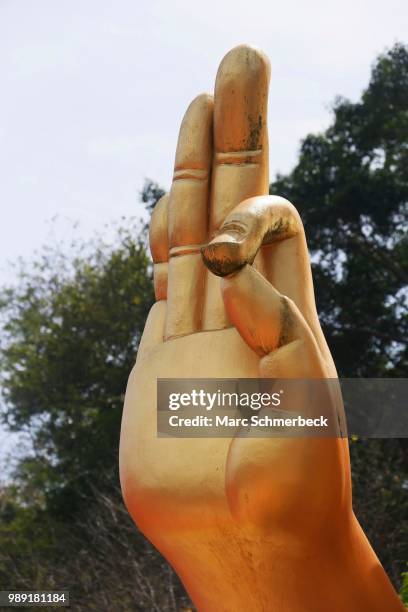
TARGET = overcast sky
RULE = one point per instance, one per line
(93, 91)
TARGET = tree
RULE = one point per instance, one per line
(151, 194)
(351, 187)
(71, 332)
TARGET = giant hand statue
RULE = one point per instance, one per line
(249, 524)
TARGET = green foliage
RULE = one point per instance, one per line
(151, 194)
(380, 499)
(351, 188)
(72, 328)
(404, 588)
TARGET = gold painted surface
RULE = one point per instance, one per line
(248, 524)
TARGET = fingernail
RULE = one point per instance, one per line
(223, 255)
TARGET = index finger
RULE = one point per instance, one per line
(240, 164)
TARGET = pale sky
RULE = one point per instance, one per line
(93, 92)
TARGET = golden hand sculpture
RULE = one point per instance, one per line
(249, 524)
